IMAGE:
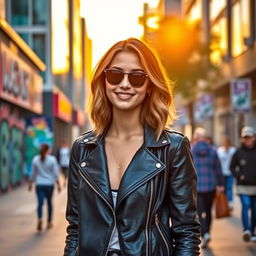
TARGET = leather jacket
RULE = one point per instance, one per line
(155, 212)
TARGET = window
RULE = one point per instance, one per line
(39, 45)
(216, 7)
(240, 27)
(218, 44)
(195, 13)
(25, 37)
(39, 12)
(19, 10)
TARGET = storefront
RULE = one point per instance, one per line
(20, 99)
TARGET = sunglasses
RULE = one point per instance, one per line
(115, 77)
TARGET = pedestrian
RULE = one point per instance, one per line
(130, 175)
(44, 174)
(225, 153)
(210, 180)
(243, 167)
(63, 156)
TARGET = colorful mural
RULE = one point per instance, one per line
(39, 130)
(12, 133)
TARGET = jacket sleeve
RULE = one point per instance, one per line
(234, 165)
(72, 207)
(182, 194)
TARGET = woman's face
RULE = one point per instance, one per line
(124, 96)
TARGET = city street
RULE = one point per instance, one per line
(19, 236)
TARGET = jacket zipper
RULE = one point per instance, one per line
(148, 216)
(161, 233)
(106, 203)
(76, 251)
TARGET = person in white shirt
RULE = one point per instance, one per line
(44, 174)
(225, 153)
(63, 157)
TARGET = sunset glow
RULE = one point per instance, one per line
(110, 21)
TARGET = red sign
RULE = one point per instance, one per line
(62, 107)
(79, 117)
(20, 84)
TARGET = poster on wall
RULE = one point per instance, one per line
(39, 130)
(241, 95)
(207, 105)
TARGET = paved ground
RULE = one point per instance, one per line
(18, 236)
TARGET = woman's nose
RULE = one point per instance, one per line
(125, 84)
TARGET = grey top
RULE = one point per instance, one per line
(46, 172)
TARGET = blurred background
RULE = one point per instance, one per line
(48, 49)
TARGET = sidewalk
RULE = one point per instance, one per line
(18, 236)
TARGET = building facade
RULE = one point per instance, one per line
(45, 69)
(228, 92)
(57, 33)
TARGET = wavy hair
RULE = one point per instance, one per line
(158, 109)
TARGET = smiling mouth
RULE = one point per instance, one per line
(124, 96)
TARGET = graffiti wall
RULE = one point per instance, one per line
(39, 130)
(12, 135)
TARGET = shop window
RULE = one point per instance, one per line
(39, 12)
(19, 10)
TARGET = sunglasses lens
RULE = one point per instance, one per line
(137, 79)
(114, 76)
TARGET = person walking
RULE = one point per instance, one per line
(225, 154)
(243, 167)
(210, 180)
(44, 174)
(131, 175)
(63, 157)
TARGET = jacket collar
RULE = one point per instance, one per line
(143, 167)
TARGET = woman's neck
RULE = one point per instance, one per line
(125, 125)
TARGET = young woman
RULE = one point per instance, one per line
(130, 177)
(44, 174)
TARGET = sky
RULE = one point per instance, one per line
(109, 21)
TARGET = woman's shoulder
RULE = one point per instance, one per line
(175, 137)
(85, 137)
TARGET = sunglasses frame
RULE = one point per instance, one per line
(128, 73)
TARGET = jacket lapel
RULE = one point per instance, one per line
(144, 165)
(142, 168)
(94, 168)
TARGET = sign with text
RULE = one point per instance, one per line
(20, 84)
(241, 95)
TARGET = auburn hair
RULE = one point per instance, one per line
(158, 109)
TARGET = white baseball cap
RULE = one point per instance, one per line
(247, 131)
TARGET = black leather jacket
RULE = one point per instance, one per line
(156, 205)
